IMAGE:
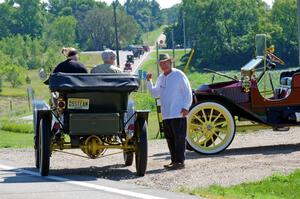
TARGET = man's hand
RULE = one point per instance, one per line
(149, 76)
(184, 112)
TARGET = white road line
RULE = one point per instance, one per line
(141, 62)
(84, 184)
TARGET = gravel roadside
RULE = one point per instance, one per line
(250, 157)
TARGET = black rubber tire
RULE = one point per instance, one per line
(36, 123)
(188, 147)
(141, 153)
(44, 146)
(128, 157)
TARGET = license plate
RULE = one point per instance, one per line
(77, 103)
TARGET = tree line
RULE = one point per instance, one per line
(32, 32)
(223, 31)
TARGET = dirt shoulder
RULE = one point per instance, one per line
(251, 157)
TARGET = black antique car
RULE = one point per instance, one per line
(89, 111)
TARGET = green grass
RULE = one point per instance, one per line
(151, 37)
(90, 60)
(275, 187)
(10, 126)
(15, 140)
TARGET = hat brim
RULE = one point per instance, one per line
(164, 60)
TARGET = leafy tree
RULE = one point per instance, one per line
(98, 28)
(62, 30)
(72, 7)
(145, 12)
(25, 17)
(284, 15)
(170, 15)
(223, 31)
(30, 17)
(15, 75)
(7, 23)
(23, 51)
(4, 60)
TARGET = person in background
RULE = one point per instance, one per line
(71, 64)
(109, 59)
(175, 93)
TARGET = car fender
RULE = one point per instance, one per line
(233, 107)
(39, 109)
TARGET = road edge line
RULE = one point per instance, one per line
(83, 184)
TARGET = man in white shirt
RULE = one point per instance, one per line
(109, 59)
(175, 93)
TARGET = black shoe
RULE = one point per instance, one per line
(168, 166)
(179, 165)
(175, 166)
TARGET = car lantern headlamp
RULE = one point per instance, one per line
(246, 85)
(61, 104)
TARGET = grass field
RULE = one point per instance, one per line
(90, 59)
(274, 187)
(15, 140)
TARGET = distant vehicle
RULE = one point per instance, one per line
(138, 51)
(128, 67)
(146, 48)
(141, 50)
(211, 121)
(130, 59)
(93, 116)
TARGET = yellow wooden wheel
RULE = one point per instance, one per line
(211, 128)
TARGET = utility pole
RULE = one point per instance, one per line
(116, 32)
(298, 12)
(184, 32)
(157, 58)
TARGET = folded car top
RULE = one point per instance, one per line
(68, 82)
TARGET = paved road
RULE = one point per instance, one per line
(16, 182)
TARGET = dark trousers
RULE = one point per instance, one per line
(175, 133)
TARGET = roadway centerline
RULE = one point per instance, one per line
(83, 184)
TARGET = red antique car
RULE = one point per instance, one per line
(217, 107)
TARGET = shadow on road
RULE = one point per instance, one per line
(263, 150)
(115, 172)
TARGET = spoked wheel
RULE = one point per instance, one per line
(44, 145)
(141, 152)
(128, 157)
(211, 128)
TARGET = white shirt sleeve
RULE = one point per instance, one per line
(186, 92)
(154, 90)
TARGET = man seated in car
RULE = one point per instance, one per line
(109, 66)
(71, 64)
(109, 59)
